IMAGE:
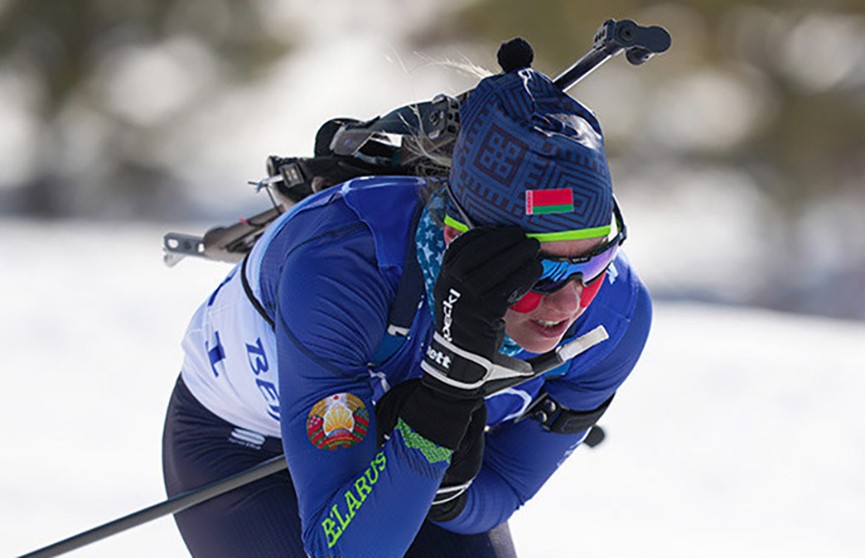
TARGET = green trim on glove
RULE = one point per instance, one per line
(431, 451)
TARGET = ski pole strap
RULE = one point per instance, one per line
(555, 417)
(447, 493)
(549, 361)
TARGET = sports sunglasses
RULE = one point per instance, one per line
(588, 268)
(558, 272)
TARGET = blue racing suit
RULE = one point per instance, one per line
(311, 350)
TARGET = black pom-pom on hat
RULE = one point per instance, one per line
(515, 54)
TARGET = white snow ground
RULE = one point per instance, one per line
(740, 434)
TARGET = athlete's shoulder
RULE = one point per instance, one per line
(362, 225)
(621, 292)
(389, 206)
(623, 307)
(382, 206)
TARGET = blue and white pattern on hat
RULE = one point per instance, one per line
(520, 132)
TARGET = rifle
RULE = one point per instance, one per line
(347, 148)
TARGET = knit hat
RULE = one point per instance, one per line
(530, 155)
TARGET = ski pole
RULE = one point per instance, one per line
(176, 504)
(173, 505)
(639, 43)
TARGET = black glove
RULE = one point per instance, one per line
(483, 273)
(465, 465)
(389, 407)
(466, 460)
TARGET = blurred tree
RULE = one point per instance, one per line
(815, 126)
(107, 84)
(769, 89)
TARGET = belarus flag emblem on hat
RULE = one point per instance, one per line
(539, 202)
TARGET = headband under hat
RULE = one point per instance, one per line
(530, 155)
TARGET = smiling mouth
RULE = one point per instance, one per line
(550, 329)
(548, 324)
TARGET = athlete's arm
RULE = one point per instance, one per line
(520, 457)
(332, 308)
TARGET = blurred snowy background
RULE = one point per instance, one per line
(738, 163)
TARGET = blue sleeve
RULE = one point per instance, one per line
(332, 308)
(520, 457)
(588, 390)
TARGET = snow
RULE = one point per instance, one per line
(739, 434)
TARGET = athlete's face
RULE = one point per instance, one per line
(541, 329)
